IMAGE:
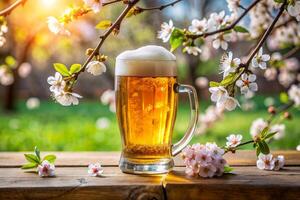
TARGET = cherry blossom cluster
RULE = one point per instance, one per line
(213, 31)
(63, 80)
(204, 160)
(58, 25)
(207, 119)
(270, 162)
(260, 124)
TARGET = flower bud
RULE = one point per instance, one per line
(272, 110)
(89, 51)
(287, 115)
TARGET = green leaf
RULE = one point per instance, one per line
(264, 148)
(284, 97)
(37, 152)
(240, 29)
(229, 79)
(176, 39)
(264, 132)
(29, 166)
(213, 84)
(227, 169)
(10, 61)
(61, 68)
(32, 158)
(279, 1)
(75, 68)
(258, 151)
(270, 135)
(104, 24)
(50, 158)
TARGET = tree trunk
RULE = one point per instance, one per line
(11, 90)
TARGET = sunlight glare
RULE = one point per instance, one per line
(48, 3)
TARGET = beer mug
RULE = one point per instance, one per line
(146, 104)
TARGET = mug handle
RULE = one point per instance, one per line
(179, 146)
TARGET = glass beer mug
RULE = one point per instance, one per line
(146, 99)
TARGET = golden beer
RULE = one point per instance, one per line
(146, 101)
(146, 110)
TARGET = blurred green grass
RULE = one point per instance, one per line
(55, 128)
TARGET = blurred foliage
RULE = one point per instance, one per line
(52, 127)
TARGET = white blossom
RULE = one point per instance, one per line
(270, 74)
(67, 98)
(207, 171)
(229, 64)
(6, 77)
(279, 129)
(294, 94)
(193, 50)
(95, 169)
(279, 162)
(96, 68)
(32, 103)
(201, 82)
(24, 69)
(292, 64)
(207, 119)
(222, 99)
(2, 40)
(108, 97)
(285, 77)
(247, 83)
(298, 148)
(57, 83)
(260, 59)
(216, 20)
(95, 5)
(46, 169)
(218, 94)
(294, 10)
(198, 26)
(269, 162)
(57, 27)
(221, 41)
(229, 104)
(233, 5)
(102, 123)
(233, 140)
(166, 31)
(257, 127)
(265, 162)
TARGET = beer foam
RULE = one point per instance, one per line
(149, 60)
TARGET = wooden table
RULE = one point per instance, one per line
(72, 181)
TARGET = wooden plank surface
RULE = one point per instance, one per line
(247, 182)
(73, 182)
(80, 159)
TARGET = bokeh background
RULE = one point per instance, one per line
(29, 117)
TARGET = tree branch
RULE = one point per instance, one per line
(111, 2)
(9, 9)
(265, 36)
(291, 52)
(116, 24)
(280, 110)
(231, 26)
(160, 7)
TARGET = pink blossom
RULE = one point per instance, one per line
(46, 169)
(95, 170)
(204, 160)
